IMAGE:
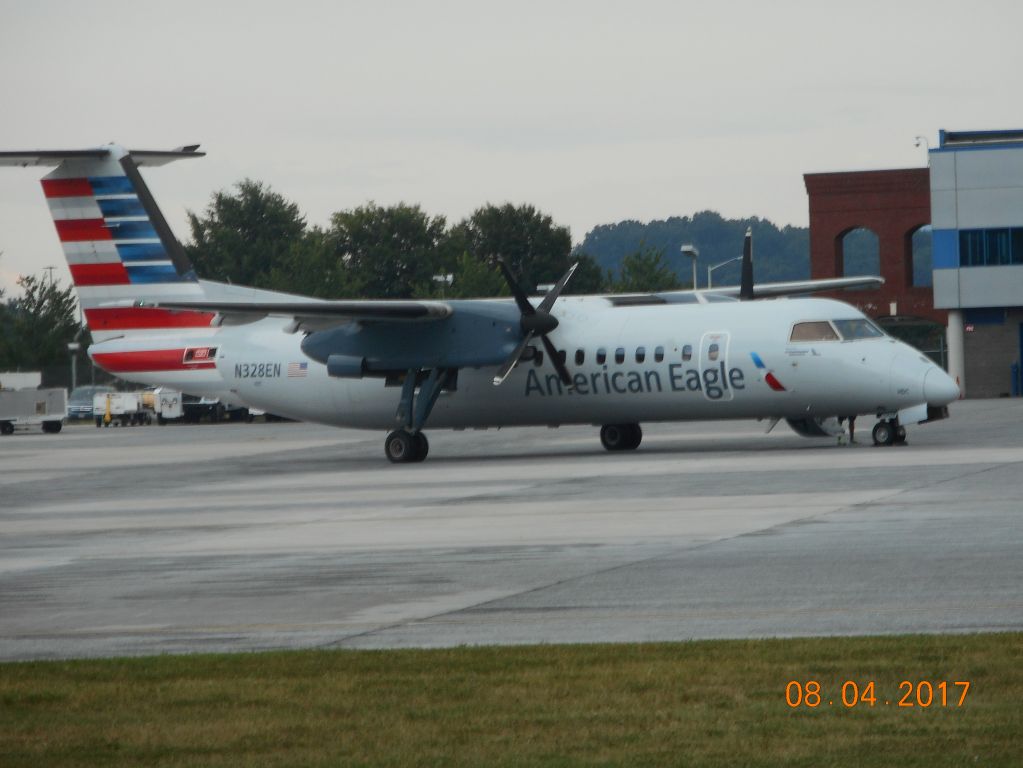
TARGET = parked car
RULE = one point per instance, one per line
(79, 403)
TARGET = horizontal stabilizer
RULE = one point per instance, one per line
(143, 157)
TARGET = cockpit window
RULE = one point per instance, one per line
(814, 331)
(861, 328)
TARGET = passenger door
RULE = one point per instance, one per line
(714, 366)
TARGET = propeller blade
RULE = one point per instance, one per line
(552, 296)
(520, 297)
(535, 320)
(746, 284)
(513, 358)
(552, 353)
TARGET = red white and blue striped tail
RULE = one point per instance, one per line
(118, 245)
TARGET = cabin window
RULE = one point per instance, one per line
(857, 329)
(537, 358)
(712, 352)
(640, 354)
(601, 356)
(580, 357)
(562, 356)
(620, 355)
(687, 353)
(815, 331)
(658, 354)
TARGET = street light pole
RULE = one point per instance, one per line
(72, 349)
(444, 280)
(723, 263)
(693, 253)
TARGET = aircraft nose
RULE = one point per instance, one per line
(939, 388)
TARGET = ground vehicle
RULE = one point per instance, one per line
(197, 408)
(166, 403)
(137, 408)
(80, 401)
(31, 407)
(124, 408)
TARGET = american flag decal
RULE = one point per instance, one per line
(297, 370)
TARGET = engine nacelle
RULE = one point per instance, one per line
(346, 367)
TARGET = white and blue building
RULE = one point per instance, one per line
(976, 180)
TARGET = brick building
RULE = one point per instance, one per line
(972, 196)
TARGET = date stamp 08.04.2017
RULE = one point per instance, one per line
(924, 694)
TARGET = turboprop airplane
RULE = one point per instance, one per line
(400, 366)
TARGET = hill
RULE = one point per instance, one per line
(779, 253)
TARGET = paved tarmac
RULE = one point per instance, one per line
(250, 536)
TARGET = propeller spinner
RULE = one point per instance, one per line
(535, 321)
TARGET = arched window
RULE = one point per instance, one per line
(922, 272)
(861, 254)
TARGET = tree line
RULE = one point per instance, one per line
(254, 236)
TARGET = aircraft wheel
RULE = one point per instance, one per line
(621, 437)
(884, 433)
(422, 446)
(900, 435)
(401, 447)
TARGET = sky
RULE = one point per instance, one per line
(592, 111)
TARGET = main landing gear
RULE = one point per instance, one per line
(621, 437)
(889, 432)
(419, 393)
(403, 447)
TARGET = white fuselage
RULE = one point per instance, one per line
(661, 363)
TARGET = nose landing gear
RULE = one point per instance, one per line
(889, 432)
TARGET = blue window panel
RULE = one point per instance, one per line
(121, 206)
(990, 247)
(986, 316)
(972, 248)
(154, 273)
(111, 185)
(1017, 245)
(945, 249)
(141, 252)
(132, 230)
(999, 251)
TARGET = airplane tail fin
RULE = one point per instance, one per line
(118, 245)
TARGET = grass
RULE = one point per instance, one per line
(719, 703)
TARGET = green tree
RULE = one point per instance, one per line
(645, 271)
(534, 247)
(588, 278)
(246, 237)
(36, 327)
(311, 268)
(388, 252)
(474, 278)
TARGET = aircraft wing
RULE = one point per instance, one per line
(797, 287)
(317, 315)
